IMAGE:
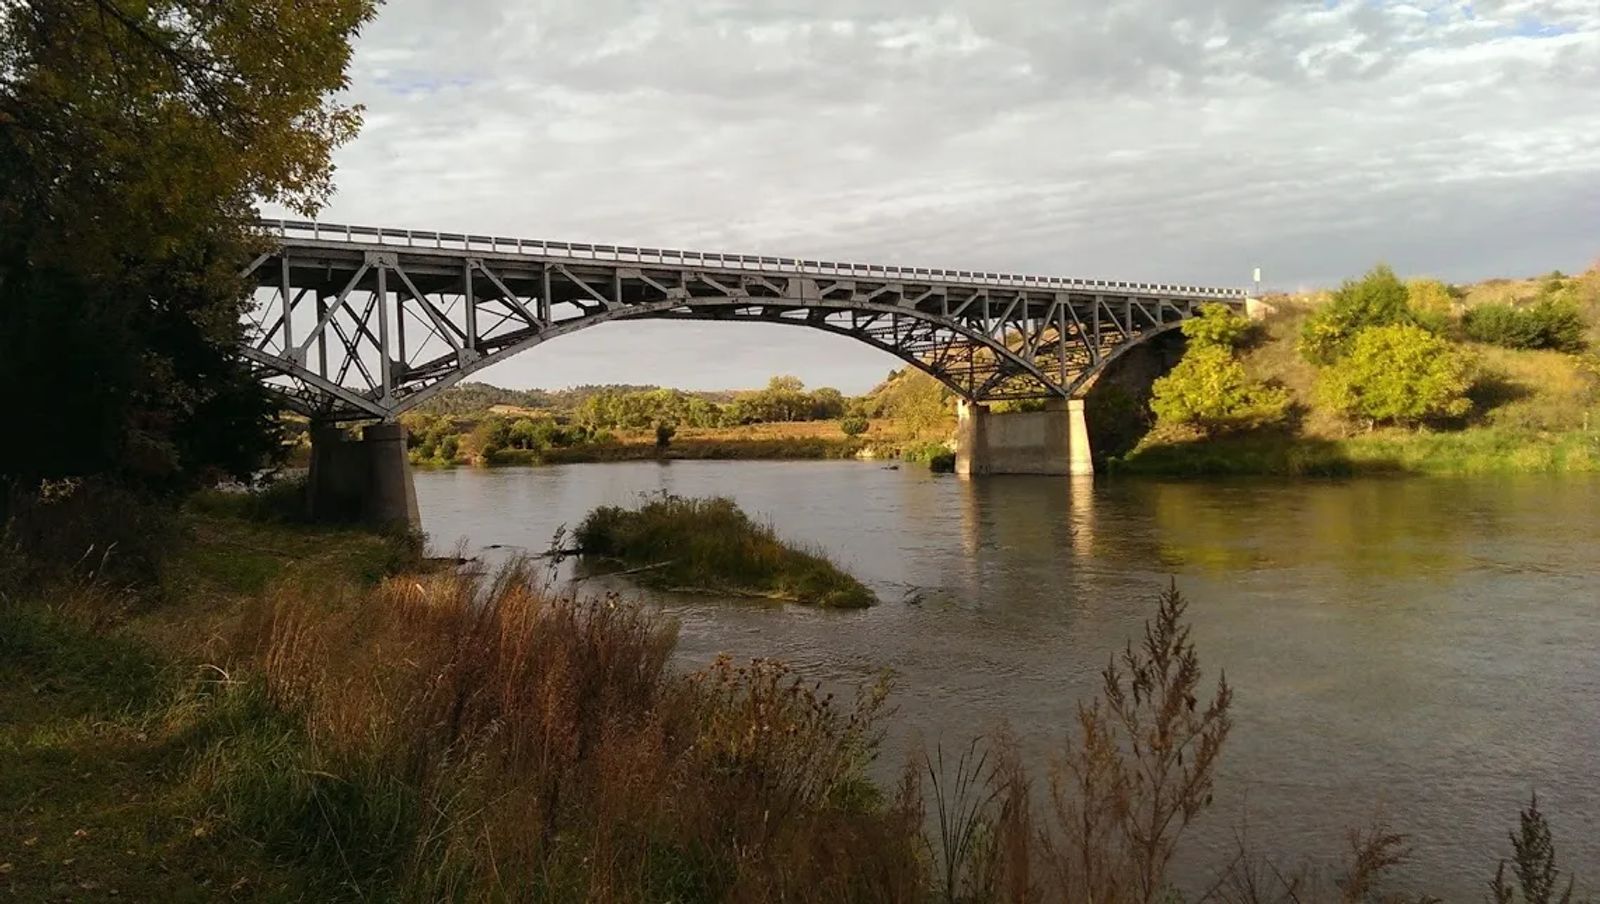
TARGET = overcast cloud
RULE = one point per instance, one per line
(1134, 139)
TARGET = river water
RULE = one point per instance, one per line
(1427, 650)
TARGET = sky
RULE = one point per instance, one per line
(1157, 140)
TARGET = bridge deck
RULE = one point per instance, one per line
(355, 321)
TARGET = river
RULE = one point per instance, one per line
(1423, 649)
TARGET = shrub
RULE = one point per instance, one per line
(1377, 299)
(1551, 323)
(711, 544)
(854, 425)
(1429, 296)
(664, 435)
(1218, 324)
(1210, 391)
(1399, 374)
(84, 527)
(1533, 864)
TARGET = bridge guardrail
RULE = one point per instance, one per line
(582, 251)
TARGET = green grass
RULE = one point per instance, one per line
(1485, 450)
(121, 718)
(712, 545)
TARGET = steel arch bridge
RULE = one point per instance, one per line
(357, 322)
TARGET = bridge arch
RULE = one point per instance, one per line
(357, 323)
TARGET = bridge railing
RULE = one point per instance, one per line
(580, 251)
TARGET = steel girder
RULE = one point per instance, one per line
(356, 323)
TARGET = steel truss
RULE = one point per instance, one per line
(356, 323)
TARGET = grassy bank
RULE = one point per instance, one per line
(1530, 411)
(712, 545)
(278, 720)
(1478, 451)
(286, 717)
(126, 711)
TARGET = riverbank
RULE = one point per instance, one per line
(298, 713)
(1480, 451)
(295, 713)
(779, 441)
(1528, 410)
(132, 716)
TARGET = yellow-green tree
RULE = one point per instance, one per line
(1377, 299)
(918, 403)
(1218, 324)
(1210, 391)
(1398, 374)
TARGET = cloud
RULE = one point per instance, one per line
(1139, 139)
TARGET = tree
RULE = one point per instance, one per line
(827, 403)
(1377, 299)
(136, 136)
(1218, 325)
(916, 401)
(1210, 391)
(1430, 296)
(1398, 374)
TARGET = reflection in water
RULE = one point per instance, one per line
(1428, 647)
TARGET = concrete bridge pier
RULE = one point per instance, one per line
(362, 480)
(1052, 441)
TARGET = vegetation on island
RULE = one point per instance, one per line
(1387, 376)
(290, 712)
(712, 545)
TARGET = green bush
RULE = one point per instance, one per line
(1218, 324)
(926, 453)
(1430, 296)
(854, 425)
(711, 544)
(1377, 299)
(1551, 323)
(1398, 374)
(1210, 391)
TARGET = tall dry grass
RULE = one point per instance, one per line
(503, 742)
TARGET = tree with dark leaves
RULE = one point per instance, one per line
(136, 138)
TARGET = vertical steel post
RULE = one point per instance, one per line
(472, 307)
(383, 331)
(1061, 337)
(1094, 353)
(400, 322)
(322, 335)
(544, 297)
(288, 303)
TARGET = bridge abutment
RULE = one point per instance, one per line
(362, 480)
(1052, 441)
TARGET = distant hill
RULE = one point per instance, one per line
(471, 398)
